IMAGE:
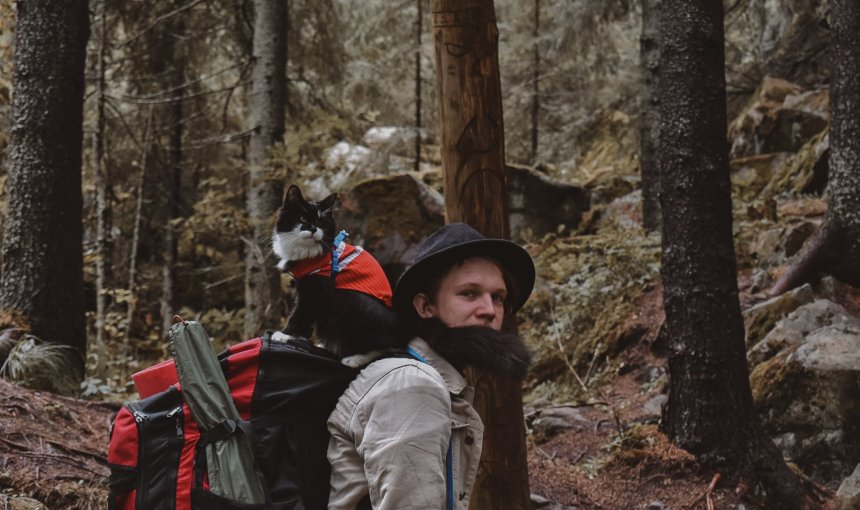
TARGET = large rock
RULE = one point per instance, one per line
(390, 217)
(793, 330)
(762, 317)
(539, 205)
(807, 170)
(807, 392)
(783, 38)
(768, 126)
(848, 495)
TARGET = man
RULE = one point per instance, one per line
(405, 434)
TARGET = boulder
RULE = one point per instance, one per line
(848, 495)
(539, 205)
(784, 38)
(807, 170)
(623, 213)
(794, 329)
(768, 126)
(762, 317)
(751, 174)
(807, 392)
(775, 245)
(390, 217)
(552, 420)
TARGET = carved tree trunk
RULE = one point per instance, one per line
(262, 280)
(710, 401)
(42, 272)
(473, 157)
(649, 118)
(835, 250)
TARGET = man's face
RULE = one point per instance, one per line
(471, 294)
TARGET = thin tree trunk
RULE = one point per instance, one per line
(709, 393)
(649, 118)
(135, 238)
(473, 149)
(536, 82)
(42, 268)
(262, 280)
(418, 31)
(170, 247)
(103, 193)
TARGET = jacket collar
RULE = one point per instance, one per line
(453, 379)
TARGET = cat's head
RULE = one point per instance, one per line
(304, 228)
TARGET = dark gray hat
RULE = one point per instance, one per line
(458, 241)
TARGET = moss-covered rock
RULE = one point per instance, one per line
(807, 398)
(587, 286)
(761, 318)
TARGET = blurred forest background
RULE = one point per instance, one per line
(168, 162)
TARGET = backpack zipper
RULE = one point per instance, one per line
(176, 412)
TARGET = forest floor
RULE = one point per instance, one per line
(54, 449)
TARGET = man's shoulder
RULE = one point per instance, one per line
(392, 374)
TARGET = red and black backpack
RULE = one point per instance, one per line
(284, 392)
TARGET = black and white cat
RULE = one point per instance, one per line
(342, 292)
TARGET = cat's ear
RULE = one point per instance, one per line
(327, 203)
(293, 195)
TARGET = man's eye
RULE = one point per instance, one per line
(468, 293)
(498, 298)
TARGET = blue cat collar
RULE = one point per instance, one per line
(337, 250)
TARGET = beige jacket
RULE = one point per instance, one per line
(390, 432)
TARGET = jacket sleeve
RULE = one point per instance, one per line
(402, 430)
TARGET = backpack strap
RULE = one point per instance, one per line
(449, 462)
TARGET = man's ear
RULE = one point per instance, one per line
(423, 307)
(327, 203)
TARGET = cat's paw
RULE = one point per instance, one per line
(361, 360)
(280, 336)
(282, 265)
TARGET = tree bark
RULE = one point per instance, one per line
(135, 236)
(174, 194)
(710, 401)
(835, 250)
(473, 156)
(535, 82)
(103, 194)
(649, 118)
(419, 29)
(42, 270)
(262, 280)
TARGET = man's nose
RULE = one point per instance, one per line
(485, 307)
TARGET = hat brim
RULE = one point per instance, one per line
(517, 262)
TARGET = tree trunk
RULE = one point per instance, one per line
(649, 118)
(103, 194)
(473, 158)
(174, 195)
(42, 271)
(710, 401)
(835, 250)
(536, 82)
(262, 280)
(135, 236)
(418, 30)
